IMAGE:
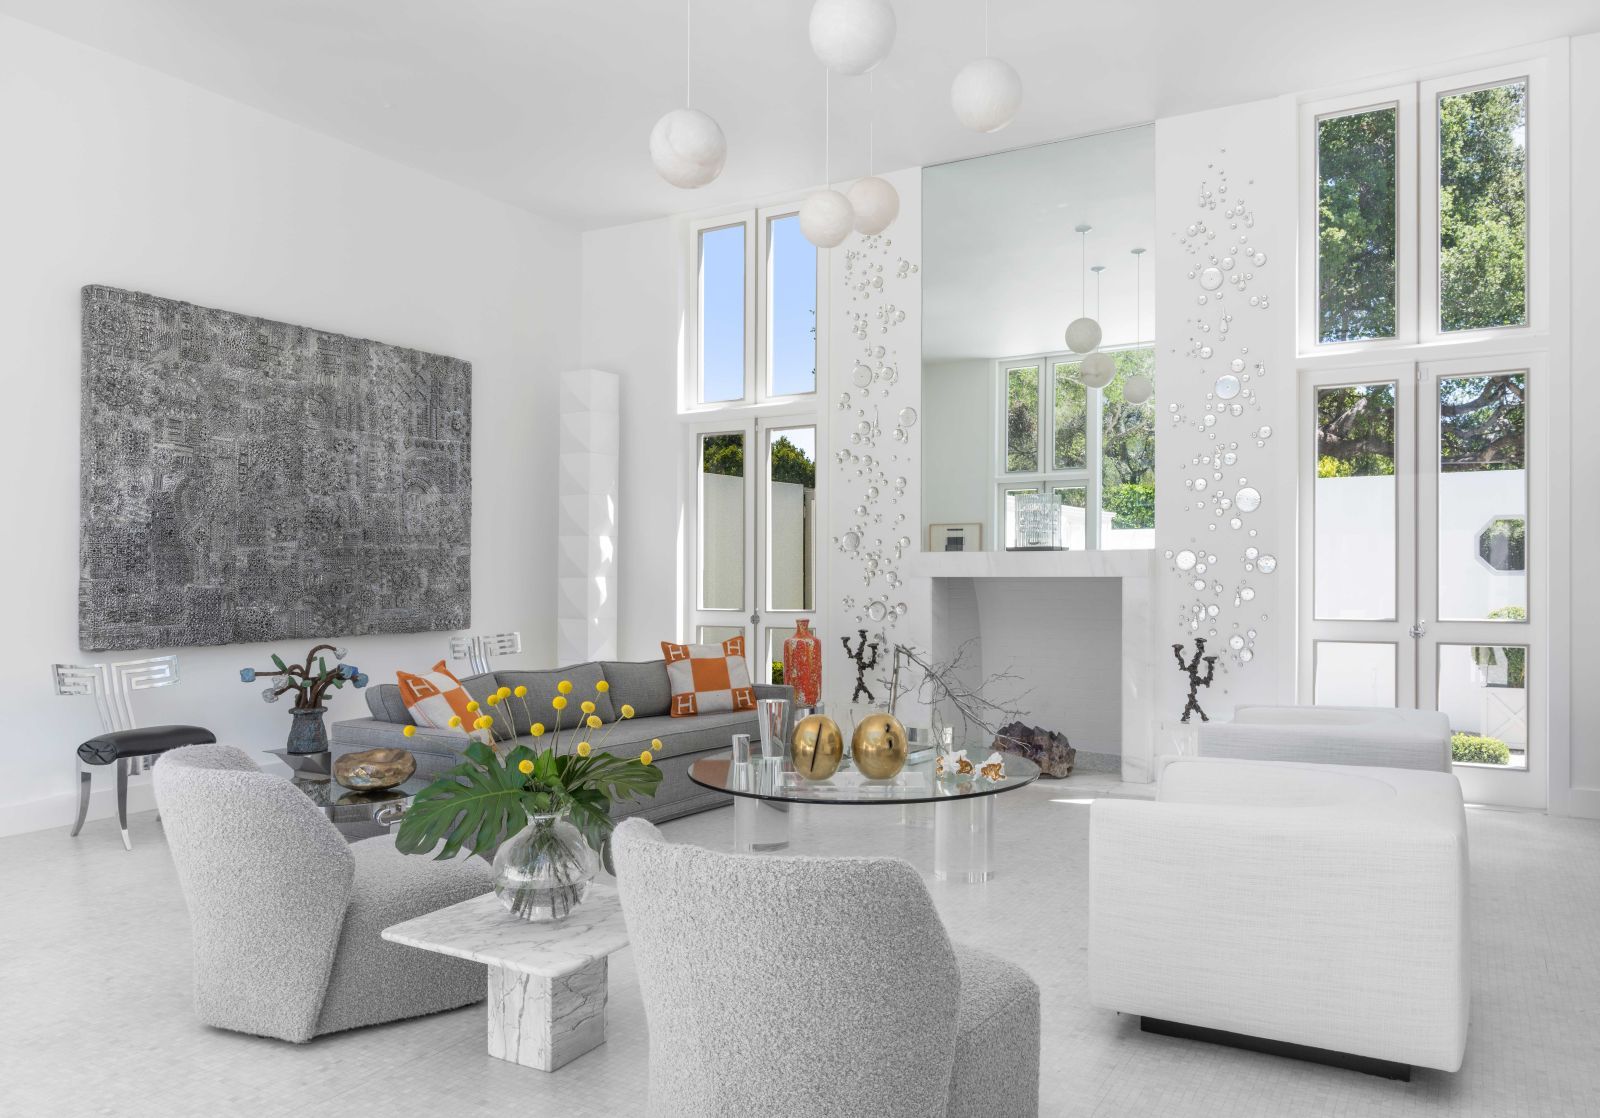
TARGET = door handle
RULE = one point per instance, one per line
(1418, 630)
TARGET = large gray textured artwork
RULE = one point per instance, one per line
(249, 480)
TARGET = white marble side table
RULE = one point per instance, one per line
(547, 982)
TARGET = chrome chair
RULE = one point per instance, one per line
(477, 650)
(123, 741)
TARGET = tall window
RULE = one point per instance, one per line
(1420, 203)
(751, 411)
(1079, 449)
(1426, 224)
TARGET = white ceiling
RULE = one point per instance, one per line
(1001, 268)
(548, 104)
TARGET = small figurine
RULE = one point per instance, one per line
(864, 664)
(952, 765)
(994, 768)
(1195, 680)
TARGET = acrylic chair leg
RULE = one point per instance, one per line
(122, 802)
(83, 798)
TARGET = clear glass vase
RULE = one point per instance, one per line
(543, 872)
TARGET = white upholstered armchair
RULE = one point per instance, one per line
(1322, 906)
(811, 987)
(287, 917)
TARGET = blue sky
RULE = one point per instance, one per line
(793, 311)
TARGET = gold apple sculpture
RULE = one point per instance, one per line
(879, 746)
(818, 747)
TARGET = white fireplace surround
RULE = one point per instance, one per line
(954, 622)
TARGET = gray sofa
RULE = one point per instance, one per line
(642, 685)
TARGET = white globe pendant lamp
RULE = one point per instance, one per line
(687, 147)
(851, 36)
(1138, 388)
(875, 203)
(826, 218)
(1083, 332)
(986, 94)
(874, 200)
(1097, 369)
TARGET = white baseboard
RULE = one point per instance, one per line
(60, 811)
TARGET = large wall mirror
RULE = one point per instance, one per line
(1024, 447)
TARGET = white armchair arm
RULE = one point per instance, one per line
(1339, 926)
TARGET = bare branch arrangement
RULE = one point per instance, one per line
(945, 683)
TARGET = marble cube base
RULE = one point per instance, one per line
(543, 1023)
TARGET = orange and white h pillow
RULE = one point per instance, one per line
(432, 700)
(708, 678)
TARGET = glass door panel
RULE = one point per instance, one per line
(1356, 562)
(1483, 688)
(1483, 498)
(722, 496)
(1357, 480)
(1356, 674)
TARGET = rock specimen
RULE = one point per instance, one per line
(1049, 750)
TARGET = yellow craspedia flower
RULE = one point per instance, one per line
(646, 757)
(537, 730)
(594, 722)
(627, 711)
(583, 749)
(559, 703)
(472, 706)
(455, 722)
(410, 731)
(602, 687)
(588, 707)
(525, 767)
(494, 699)
(565, 687)
(521, 692)
(505, 692)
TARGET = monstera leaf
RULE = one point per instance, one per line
(475, 805)
(486, 799)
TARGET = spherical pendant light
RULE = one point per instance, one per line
(826, 218)
(1137, 389)
(851, 36)
(687, 148)
(1083, 335)
(986, 94)
(875, 202)
(1097, 369)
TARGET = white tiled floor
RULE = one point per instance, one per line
(94, 978)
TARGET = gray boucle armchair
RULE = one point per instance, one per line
(813, 987)
(287, 917)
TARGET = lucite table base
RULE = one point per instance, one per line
(542, 1022)
(963, 832)
(759, 825)
(963, 839)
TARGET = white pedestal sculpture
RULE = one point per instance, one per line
(586, 517)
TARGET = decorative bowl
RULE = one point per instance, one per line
(373, 770)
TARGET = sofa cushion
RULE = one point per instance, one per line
(704, 733)
(708, 678)
(542, 689)
(384, 701)
(438, 700)
(642, 684)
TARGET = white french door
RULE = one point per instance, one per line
(1425, 537)
(754, 569)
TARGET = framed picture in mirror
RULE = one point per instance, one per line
(955, 537)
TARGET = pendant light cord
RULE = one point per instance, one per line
(827, 128)
(1083, 274)
(688, 54)
(1138, 299)
(872, 124)
(986, 28)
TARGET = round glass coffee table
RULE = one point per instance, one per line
(963, 810)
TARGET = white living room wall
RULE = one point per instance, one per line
(1225, 282)
(119, 175)
(1578, 791)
